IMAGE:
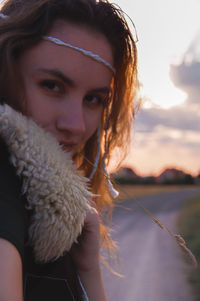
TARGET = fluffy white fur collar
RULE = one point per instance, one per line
(55, 191)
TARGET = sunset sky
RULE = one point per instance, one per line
(167, 128)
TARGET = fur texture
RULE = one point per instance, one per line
(56, 193)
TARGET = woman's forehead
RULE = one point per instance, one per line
(78, 68)
(84, 39)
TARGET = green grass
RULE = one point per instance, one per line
(189, 226)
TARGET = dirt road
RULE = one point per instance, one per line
(149, 258)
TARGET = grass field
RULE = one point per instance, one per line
(130, 191)
(189, 225)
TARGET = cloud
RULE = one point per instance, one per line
(164, 147)
(164, 136)
(180, 117)
(186, 75)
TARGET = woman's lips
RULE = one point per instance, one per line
(67, 147)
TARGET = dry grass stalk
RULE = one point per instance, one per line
(190, 256)
(159, 223)
(180, 241)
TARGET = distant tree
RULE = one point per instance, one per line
(188, 179)
(148, 180)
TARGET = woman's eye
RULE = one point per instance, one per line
(94, 99)
(51, 85)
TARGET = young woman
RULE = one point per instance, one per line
(67, 81)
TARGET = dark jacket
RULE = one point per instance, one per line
(53, 281)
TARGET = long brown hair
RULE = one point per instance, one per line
(28, 21)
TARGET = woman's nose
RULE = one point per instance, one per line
(71, 118)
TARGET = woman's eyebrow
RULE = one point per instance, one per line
(105, 90)
(58, 74)
(70, 82)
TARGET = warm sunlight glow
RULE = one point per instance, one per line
(166, 96)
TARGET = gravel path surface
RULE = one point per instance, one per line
(149, 258)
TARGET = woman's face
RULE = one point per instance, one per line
(65, 91)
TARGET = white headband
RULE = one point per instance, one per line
(92, 55)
